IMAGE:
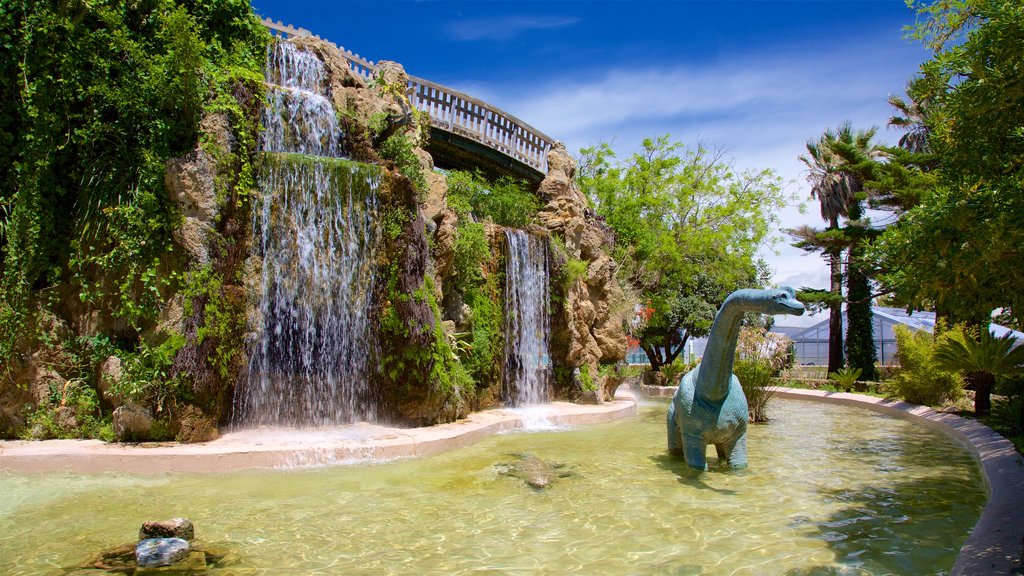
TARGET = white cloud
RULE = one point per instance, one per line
(504, 28)
(761, 108)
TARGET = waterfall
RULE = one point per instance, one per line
(299, 116)
(314, 230)
(527, 365)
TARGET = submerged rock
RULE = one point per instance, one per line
(536, 472)
(160, 551)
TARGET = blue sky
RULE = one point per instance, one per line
(758, 78)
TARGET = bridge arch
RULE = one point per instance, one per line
(465, 133)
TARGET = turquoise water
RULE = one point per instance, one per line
(830, 490)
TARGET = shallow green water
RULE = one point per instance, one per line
(830, 490)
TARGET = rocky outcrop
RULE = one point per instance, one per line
(192, 186)
(108, 375)
(132, 423)
(195, 426)
(590, 328)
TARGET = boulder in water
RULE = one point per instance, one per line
(536, 472)
(160, 551)
(173, 528)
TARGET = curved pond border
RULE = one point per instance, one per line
(996, 543)
(994, 546)
(275, 448)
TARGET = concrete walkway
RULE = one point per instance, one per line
(280, 448)
(996, 544)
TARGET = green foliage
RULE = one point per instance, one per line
(471, 252)
(506, 202)
(755, 378)
(958, 248)
(146, 376)
(70, 411)
(839, 163)
(222, 321)
(586, 380)
(920, 380)
(983, 358)
(94, 100)
(980, 351)
(400, 149)
(845, 378)
(760, 356)
(687, 229)
(481, 293)
(674, 370)
(1007, 416)
(860, 342)
(574, 271)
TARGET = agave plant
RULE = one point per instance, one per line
(845, 378)
(981, 360)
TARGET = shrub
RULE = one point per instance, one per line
(399, 149)
(920, 381)
(760, 356)
(506, 201)
(755, 377)
(845, 378)
(675, 370)
(774, 350)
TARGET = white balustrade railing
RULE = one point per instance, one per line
(453, 111)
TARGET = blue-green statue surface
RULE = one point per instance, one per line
(709, 407)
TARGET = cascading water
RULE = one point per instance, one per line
(315, 231)
(527, 365)
(298, 117)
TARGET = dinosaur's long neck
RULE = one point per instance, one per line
(716, 366)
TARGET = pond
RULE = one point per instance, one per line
(830, 490)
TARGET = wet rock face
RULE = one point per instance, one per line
(536, 472)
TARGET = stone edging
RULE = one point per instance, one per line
(996, 543)
(246, 450)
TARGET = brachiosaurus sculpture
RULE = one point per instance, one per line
(709, 407)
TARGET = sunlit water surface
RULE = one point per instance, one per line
(830, 490)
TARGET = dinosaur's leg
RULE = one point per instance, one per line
(675, 438)
(735, 452)
(694, 448)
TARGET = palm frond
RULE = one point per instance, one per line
(989, 354)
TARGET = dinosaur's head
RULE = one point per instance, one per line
(777, 301)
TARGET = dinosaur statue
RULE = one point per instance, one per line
(709, 407)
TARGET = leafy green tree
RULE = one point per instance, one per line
(959, 248)
(687, 228)
(982, 359)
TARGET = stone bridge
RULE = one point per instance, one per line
(466, 133)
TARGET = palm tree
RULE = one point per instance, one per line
(835, 164)
(982, 359)
(910, 116)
